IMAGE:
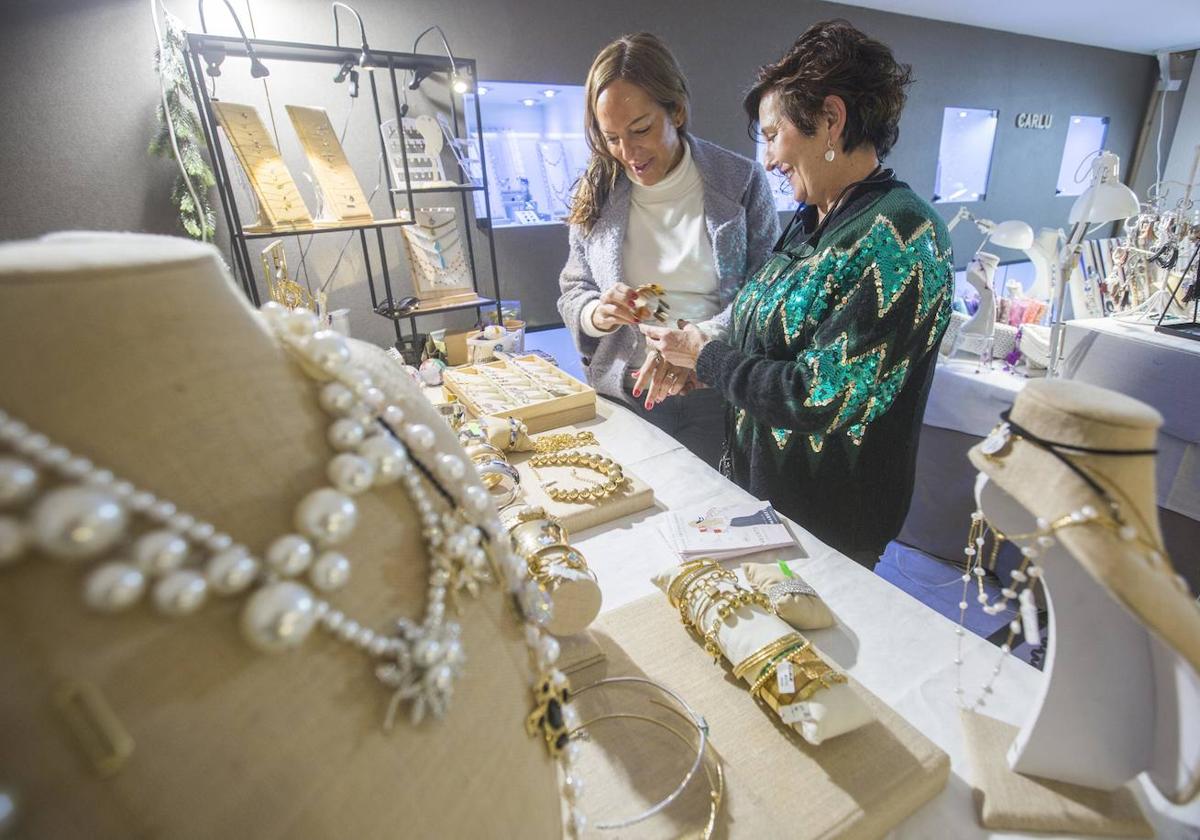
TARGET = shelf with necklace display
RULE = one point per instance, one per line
(440, 273)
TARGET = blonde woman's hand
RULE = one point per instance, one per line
(615, 309)
(679, 347)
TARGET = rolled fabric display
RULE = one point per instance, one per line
(507, 433)
(781, 667)
(501, 480)
(563, 572)
(791, 597)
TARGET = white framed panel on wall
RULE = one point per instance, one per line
(965, 154)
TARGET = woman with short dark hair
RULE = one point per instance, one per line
(831, 352)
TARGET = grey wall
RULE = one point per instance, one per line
(79, 94)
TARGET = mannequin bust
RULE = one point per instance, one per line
(138, 352)
(1122, 685)
(976, 335)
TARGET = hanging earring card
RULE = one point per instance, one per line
(280, 205)
(343, 195)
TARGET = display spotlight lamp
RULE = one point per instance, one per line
(482, 91)
(214, 56)
(550, 94)
(1013, 234)
(460, 84)
(459, 81)
(350, 68)
(528, 103)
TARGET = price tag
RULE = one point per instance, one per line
(785, 678)
(795, 713)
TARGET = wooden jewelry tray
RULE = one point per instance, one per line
(518, 387)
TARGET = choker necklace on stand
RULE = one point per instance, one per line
(180, 560)
(1031, 546)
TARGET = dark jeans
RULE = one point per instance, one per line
(697, 420)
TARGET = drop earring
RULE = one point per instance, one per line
(829, 154)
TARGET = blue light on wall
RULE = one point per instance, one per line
(965, 154)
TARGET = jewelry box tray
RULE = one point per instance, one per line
(538, 416)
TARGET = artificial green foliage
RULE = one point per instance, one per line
(189, 136)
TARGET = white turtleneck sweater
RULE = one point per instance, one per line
(667, 243)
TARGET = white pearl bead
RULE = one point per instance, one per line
(393, 415)
(337, 399)
(100, 478)
(364, 637)
(330, 572)
(549, 650)
(180, 593)
(351, 474)
(333, 620)
(378, 646)
(326, 515)
(77, 468)
(372, 398)
(33, 444)
(1005, 649)
(113, 587)
(966, 578)
(572, 787)
(450, 468)
(1008, 593)
(279, 616)
(328, 351)
(273, 311)
(979, 571)
(420, 437)
(348, 630)
(181, 522)
(301, 322)
(201, 531)
(1029, 551)
(476, 498)
(218, 542)
(962, 605)
(981, 598)
(159, 552)
(162, 511)
(426, 652)
(74, 523)
(289, 555)
(13, 540)
(387, 455)
(231, 571)
(1127, 532)
(1088, 511)
(345, 434)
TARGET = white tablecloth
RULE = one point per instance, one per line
(894, 645)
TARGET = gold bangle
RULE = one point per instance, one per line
(554, 555)
(763, 654)
(531, 535)
(688, 572)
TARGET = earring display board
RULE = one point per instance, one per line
(525, 387)
(343, 195)
(635, 496)
(856, 786)
(280, 205)
(435, 254)
(423, 144)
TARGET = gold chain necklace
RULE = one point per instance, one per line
(607, 467)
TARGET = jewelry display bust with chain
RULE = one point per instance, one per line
(1068, 477)
(167, 431)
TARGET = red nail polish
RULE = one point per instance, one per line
(637, 392)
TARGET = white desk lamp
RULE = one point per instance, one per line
(1105, 200)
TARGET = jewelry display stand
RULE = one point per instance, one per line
(1115, 701)
(341, 192)
(525, 387)
(856, 786)
(977, 335)
(300, 734)
(279, 203)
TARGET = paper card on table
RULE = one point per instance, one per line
(724, 532)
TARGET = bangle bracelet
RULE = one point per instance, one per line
(756, 660)
(501, 480)
(532, 535)
(688, 714)
(555, 555)
(481, 451)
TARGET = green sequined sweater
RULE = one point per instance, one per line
(828, 365)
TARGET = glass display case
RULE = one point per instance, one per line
(965, 154)
(536, 151)
(1085, 137)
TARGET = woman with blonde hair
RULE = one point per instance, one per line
(657, 205)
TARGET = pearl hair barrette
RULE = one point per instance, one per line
(75, 511)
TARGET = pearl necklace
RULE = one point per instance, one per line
(181, 559)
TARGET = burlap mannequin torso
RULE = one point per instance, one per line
(155, 367)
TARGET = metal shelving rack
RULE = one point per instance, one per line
(385, 64)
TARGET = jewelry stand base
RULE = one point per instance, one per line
(1010, 801)
(856, 786)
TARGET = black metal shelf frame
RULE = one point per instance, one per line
(377, 63)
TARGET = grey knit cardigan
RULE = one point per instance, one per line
(742, 225)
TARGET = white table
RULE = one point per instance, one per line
(894, 645)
